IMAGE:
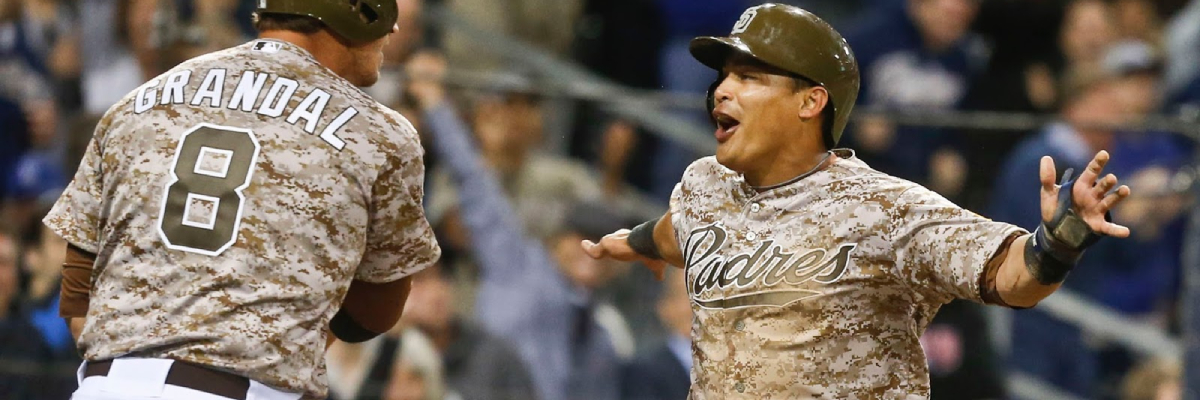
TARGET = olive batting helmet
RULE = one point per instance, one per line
(796, 41)
(355, 20)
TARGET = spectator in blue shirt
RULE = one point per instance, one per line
(35, 369)
(1049, 348)
(664, 372)
(915, 56)
(538, 296)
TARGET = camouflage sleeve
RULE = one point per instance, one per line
(941, 249)
(400, 241)
(684, 196)
(78, 215)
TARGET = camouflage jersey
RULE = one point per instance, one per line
(231, 201)
(820, 288)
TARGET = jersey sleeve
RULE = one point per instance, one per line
(400, 241)
(942, 249)
(685, 195)
(78, 215)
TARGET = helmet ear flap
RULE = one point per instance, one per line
(711, 100)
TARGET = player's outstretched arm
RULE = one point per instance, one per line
(1074, 216)
(651, 243)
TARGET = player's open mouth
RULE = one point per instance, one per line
(726, 126)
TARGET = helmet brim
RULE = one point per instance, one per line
(714, 51)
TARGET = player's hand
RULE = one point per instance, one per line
(1093, 197)
(426, 70)
(616, 246)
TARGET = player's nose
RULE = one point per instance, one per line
(724, 91)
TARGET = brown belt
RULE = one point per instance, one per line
(190, 376)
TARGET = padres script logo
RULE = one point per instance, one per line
(766, 267)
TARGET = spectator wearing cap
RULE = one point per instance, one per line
(538, 295)
(1049, 348)
(1144, 273)
(36, 180)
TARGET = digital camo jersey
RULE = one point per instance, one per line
(820, 289)
(230, 202)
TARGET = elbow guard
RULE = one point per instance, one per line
(348, 330)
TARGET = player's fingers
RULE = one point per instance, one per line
(593, 250)
(1114, 198)
(1104, 185)
(1093, 169)
(1046, 172)
(1114, 230)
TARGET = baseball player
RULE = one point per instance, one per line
(232, 212)
(812, 275)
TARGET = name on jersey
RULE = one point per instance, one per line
(173, 89)
(767, 267)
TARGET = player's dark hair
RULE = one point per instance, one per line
(800, 83)
(282, 22)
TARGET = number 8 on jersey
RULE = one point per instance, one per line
(202, 204)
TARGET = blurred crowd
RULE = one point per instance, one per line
(517, 178)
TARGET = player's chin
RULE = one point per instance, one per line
(368, 79)
(729, 156)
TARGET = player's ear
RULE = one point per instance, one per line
(812, 102)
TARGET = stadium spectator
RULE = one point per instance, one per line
(116, 51)
(509, 128)
(1049, 348)
(14, 135)
(30, 372)
(1089, 28)
(664, 372)
(478, 365)
(418, 375)
(1020, 77)
(43, 256)
(36, 178)
(680, 73)
(400, 365)
(537, 295)
(361, 370)
(915, 56)
(963, 364)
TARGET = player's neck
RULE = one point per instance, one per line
(784, 169)
(325, 48)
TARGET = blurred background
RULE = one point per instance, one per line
(588, 111)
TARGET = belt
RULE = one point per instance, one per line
(190, 376)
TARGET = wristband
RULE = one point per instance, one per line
(641, 240)
(1056, 245)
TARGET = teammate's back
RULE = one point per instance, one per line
(229, 204)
